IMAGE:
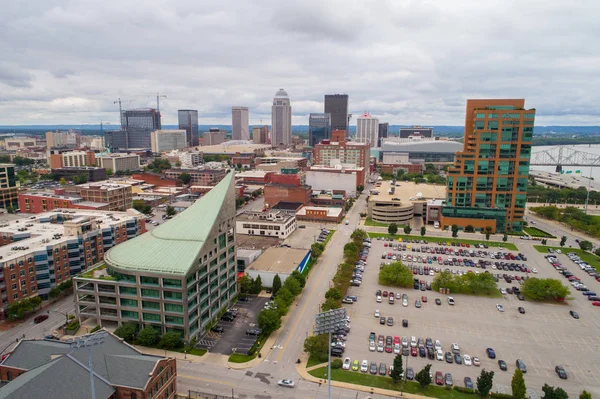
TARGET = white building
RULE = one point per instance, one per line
(117, 162)
(273, 224)
(367, 129)
(281, 119)
(240, 128)
(327, 180)
(167, 140)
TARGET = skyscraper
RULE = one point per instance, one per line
(260, 134)
(281, 119)
(239, 123)
(138, 124)
(188, 120)
(367, 129)
(487, 186)
(319, 128)
(337, 106)
(383, 132)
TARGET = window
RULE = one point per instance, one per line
(133, 395)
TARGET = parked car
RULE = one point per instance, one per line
(410, 373)
(439, 378)
(502, 365)
(468, 383)
(40, 318)
(491, 353)
(521, 366)
(560, 370)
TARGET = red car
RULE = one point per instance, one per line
(439, 378)
(396, 340)
(596, 303)
(385, 244)
(424, 298)
(413, 351)
(40, 318)
(385, 294)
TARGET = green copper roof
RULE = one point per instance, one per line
(173, 247)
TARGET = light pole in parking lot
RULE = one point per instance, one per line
(328, 322)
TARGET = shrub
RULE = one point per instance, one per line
(126, 331)
(171, 340)
(336, 364)
(74, 325)
(95, 329)
(149, 336)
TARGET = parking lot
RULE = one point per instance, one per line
(545, 336)
(234, 337)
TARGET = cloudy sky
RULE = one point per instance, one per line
(407, 62)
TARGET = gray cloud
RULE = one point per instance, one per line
(407, 62)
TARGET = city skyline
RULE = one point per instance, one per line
(456, 52)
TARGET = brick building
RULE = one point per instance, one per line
(157, 180)
(38, 369)
(320, 214)
(72, 159)
(275, 193)
(200, 177)
(117, 196)
(408, 168)
(37, 202)
(330, 153)
(244, 160)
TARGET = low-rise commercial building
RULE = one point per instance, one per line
(346, 179)
(275, 193)
(51, 247)
(117, 196)
(280, 261)
(177, 277)
(91, 173)
(42, 201)
(400, 202)
(274, 224)
(331, 153)
(199, 177)
(120, 162)
(52, 369)
(69, 159)
(320, 214)
(438, 151)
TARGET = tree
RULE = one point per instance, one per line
(505, 237)
(423, 231)
(54, 293)
(299, 277)
(393, 228)
(293, 285)
(276, 284)
(257, 285)
(586, 245)
(544, 242)
(245, 284)
(285, 297)
(519, 390)
(317, 345)
(360, 188)
(395, 274)
(423, 376)
(563, 241)
(554, 393)
(469, 229)
(171, 340)
(597, 252)
(269, 320)
(330, 304)
(62, 181)
(149, 336)
(141, 206)
(454, 231)
(109, 172)
(185, 178)
(485, 382)
(407, 229)
(316, 249)
(540, 289)
(488, 231)
(126, 331)
(351, 252)
(585, 395)
(398, 370)
(333, 293)
(170, 211)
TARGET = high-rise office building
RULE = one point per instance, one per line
(383, 132)
(319, 128)
(9, 187)
(188, 120)
(137, 125)
(167, 140)
(214, 136)
(239, 123)
(281, 119)
(367, 129)
(260, 134)
(337, 106)
(487, 186)
(68, 139)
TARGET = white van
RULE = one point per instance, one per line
(347, 222)
(436, 225)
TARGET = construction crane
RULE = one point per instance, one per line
(158, 97)
(118, 101)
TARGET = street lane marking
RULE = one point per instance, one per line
(218, 382)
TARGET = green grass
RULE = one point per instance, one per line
(193, 351)
(535, 232)
(313, 361)
(239, 358)
(590, 258)
(328, 237)
(506, 245)
(358, 378)
(372, 223)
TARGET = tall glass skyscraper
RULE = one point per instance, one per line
(188, 121)
(487, 186)
(337, 106)
(319, 128)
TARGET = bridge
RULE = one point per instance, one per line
(560, 156)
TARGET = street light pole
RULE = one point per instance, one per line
(329, 367)
(88, 341)
(327, 322)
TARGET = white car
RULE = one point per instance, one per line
(346, 364)
(534, 270)
(413, 342)
(503, 291)
(439, 355)
(364, 366)
(378, 299)
(455, 348)
(405, 302)
(396, 348)
(380, 347)
(533, 222)
(286, 383)
(450, 301)
(372, 346)
(438, 345)
(376, 312)
(467, 360)
(398, 296)
(499, 307)
(558, 251)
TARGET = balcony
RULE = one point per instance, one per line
(87, 299)
(87, 310)
(89, 287)
(112, 313)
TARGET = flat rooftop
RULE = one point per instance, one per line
(280, 217)
(279, 260)
(232, 149)
(408, 192)
(331, 211)
(42, 232)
